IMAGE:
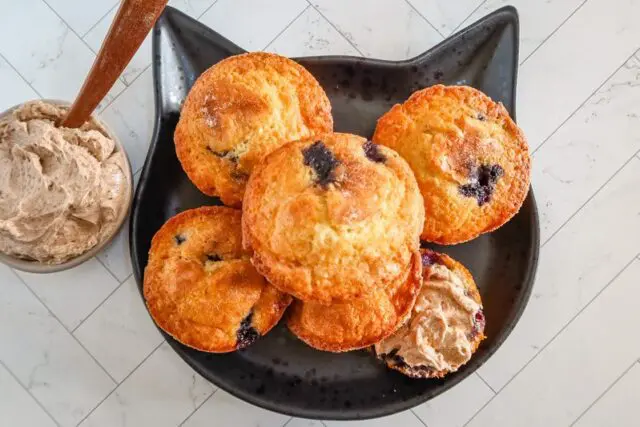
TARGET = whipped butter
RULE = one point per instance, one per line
(441, 330)
(62, 190)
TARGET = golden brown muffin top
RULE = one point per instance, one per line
(332, 218)
(241, 109)
(470, 159)
(200, 286)
(359, 323)
(446, 324)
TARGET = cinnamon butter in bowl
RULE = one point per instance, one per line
(64, 192)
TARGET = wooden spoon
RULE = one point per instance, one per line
(132, 23)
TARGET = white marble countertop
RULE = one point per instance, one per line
(78, 348)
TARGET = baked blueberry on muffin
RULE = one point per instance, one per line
(332, 218)
(446, 324)
(470, 159)
(241, 109)
(200, 286)
(359, 323)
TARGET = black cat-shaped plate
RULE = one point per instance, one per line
(279, 372)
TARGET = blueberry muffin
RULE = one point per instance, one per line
(470, 159)
(238, 111)
(446, 324)
(332, 218)
(200, 286)
(358, 323)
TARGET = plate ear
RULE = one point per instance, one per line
(491, 62)
(182, 49)
(483, 55)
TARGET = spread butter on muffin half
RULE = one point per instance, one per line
(470, 159)
(200, 286)
(241, 109)
(445, 327)
(361, 322)
(332, 218)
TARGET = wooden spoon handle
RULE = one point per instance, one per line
(132, 23)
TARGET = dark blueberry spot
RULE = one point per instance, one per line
(373, 153)
(352, 95)
(481, 117)
(347, 404)
(213, 258)
(392, 353)
(430, 258)
(483, 183)
(276, 361)
(260, 390)
(225, 154)
(366, 83)
(414, 68)
(323, 389)
(222, 153)
(399, 361)
(394, 358)
(180, 239)
(438, 75)
(247, 334)
(322, 161)
(479, 322)
(345, 83)
(269, 373)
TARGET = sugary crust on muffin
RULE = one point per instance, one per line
(360, 323)
(241, 109)
(335, 233)
(447, 133)
(471, 290)
(200, 286)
